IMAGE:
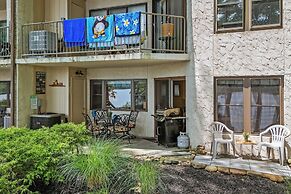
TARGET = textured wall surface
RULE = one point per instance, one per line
(249, 53)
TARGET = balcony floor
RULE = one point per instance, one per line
(105, 60)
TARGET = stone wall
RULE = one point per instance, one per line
(249, 53)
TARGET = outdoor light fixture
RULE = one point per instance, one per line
(79, 72)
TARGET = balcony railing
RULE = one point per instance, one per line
(159, 34)
(4, 42)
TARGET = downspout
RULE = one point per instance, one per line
(13, 61)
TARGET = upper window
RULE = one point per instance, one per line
(229, 14)
(238, 15)
(117, 10)
(119, 94)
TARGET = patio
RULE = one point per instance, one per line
(264, 166)
(146, 149)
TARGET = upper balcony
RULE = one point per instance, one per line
(162, 37)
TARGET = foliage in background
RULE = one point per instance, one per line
(66, 157)
(29, 156)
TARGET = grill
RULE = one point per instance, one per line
(169, 125)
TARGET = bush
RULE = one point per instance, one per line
(30, 157)
(104, 169)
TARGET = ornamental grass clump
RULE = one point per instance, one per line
(104, 169)
(148, 177)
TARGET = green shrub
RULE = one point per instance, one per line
(28, 157)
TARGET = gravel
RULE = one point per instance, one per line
(187, 180)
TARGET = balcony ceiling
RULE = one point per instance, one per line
(2, 4)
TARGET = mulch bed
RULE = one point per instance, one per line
(187, 180)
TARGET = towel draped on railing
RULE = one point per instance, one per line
(105, 31)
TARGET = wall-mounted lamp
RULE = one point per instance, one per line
(79, 72)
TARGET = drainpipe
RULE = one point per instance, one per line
(13, 63)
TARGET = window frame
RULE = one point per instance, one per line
(268, 26)
(247, 98)
(238, 29)
(118, 7)
(247, 19)
(104, 84)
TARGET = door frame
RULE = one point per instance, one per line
(170, 79)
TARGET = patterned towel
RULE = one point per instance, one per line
(74, 32)
(100, 29)
(127, 24)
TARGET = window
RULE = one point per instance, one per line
(3, 31)
(118, 94)
(266, 12)
(238, 15)
(229, 14)
(230, 103)
(249, 104)
(4, 95)
(117, 10)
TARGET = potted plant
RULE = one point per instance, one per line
(246, 136)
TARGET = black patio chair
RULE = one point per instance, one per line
(124, 123)
(89, 124)
(102, 121)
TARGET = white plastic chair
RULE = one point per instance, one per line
(217, 130)
(278, 135)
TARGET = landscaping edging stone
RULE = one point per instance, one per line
(188, 160)
(225, 170)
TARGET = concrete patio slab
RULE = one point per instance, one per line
(142, 147)
(267, 167)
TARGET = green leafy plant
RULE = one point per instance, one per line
(31, 157)
(246, 136)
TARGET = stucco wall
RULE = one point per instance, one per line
(145, 123)
(255, 53)
(5, 74)
(24, 87)
(57, 98)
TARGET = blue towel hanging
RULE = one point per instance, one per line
(100, 29)
(75, 32)
(127, 24)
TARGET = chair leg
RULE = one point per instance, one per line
(214, 151)
(212, 147)
(282, 158)
(233, 147)
(268, 152)
(259, 151)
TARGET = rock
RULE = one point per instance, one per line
(250, 172)
(223, 170)
(275, 178)
(211, 168)
(198, 165)
(201, 152)
(237, 171)
(171, 162)
(202, 147)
